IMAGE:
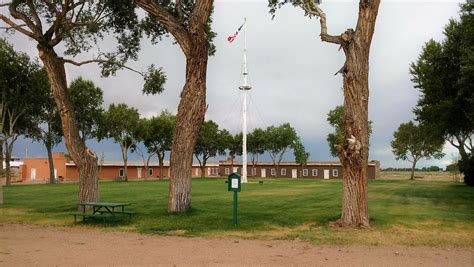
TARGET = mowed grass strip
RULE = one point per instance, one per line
(401, 212)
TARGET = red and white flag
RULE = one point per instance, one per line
(232, 37)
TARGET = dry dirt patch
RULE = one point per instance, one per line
(28, 245)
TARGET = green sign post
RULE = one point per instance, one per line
(233, 182)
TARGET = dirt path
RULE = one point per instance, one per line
(29, 245)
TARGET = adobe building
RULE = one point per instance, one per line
(314, 169)
(37, 169)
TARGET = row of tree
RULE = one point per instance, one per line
(79, 24)
(276, 140)
(29, 110)
(444, 75)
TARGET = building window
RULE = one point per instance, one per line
(214, 171)
(305, 172)
(254, 171)
(150, 172)
(335, 173)
(283, 172)
(227, 171)
(314, 172)
(273, 171)
(121, 173)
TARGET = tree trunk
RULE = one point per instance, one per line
(412, 176)
(2, 158)
(125, 161)
(191, 111)
(1, 191)
(52, 178)
(354, 155)
(84, 159)
(203, 167)
(8, 157)
(160, 163)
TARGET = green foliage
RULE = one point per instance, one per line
(79, 25)
(444, 74)
(279, 140)
(233, 143)
(403, 212)
(120, 124)
(211, 142)
(156, 133)
(301, 155)
(21, 85)
(466, 166)
(336, 120)
(453, 167)
(414, 142)
(87, 99)
(256, 143)
(155, 80)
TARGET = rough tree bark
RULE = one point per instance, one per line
(85, 159)
(8, 157)
(354, 153)
(125, 161)
(47, 143)
(161, 159)
(192, 39)
(412, 176)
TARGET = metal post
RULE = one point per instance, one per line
(235, 207)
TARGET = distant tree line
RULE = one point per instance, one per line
(28, 110)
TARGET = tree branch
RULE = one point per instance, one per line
(35, 15)
(19, 28)
(169, 22)
(312, 8)
(75, 63)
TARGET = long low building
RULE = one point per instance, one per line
(37, 169)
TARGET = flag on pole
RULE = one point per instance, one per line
(231, 38)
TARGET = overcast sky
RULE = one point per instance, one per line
(291, 72)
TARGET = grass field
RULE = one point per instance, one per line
(401, 212)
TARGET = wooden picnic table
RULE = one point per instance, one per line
(102, 210)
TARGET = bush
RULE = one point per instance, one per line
(467, 168)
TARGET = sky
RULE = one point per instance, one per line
(291, 73)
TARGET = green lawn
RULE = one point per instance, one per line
(401, 212)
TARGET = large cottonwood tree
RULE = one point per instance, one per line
(444, 74)
(355, 72)
(77, 25)
(189, 23)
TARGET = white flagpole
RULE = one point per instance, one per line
(245, 87)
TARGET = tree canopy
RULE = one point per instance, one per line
(156, 133)
(87, 100)
(444, 75)
(210, 143)
(414, 142)
(120, 123)
(21, 81)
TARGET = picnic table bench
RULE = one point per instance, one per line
(102, 210)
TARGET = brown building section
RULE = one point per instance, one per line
(321, 170)
(37, 169)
